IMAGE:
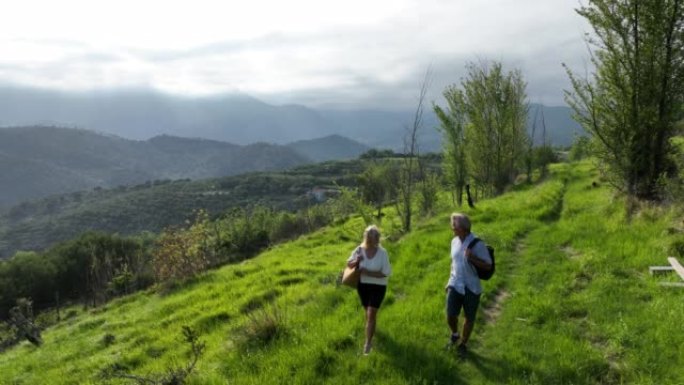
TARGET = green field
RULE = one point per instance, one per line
(572, 302)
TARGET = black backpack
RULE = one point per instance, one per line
(484, 274)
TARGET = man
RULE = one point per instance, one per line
(463, 288)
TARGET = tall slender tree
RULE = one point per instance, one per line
(452, 127)
(633, 99)
(486, 127)
(409, 167)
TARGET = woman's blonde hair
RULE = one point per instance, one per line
(371, 231)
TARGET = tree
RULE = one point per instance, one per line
(243, 232)
(486, 126)
(529, 157)
(375, 185)
(673, 188)
(634, 97)
(543, 155)
(183, 253)
(351, 200)
(452, 125)
(408, 169)
(580, 149)
(428, 188)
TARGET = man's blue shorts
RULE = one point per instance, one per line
(468, 301)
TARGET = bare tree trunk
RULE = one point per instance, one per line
(59, 318)
(530, 149)
(470, 198)
(411, 152)
(544, 168)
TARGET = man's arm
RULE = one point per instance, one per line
(477, 262)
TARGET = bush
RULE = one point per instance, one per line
(174, 375)
(263, 327)
(177, 256)
(242, 233)
(580, 149)
(108, 340)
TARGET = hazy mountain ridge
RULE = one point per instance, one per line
(237, 118)
(142, 114)
(331, 147)
(41, 161)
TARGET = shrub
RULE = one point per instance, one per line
(108, 340)
(262, 328)
(182, 253)
(177, 375)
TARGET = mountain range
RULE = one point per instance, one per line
(235, 118)
(38, 161)
(127, 137)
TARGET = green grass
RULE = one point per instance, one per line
(571, 303)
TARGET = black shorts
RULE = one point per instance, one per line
(371, 294)
(468, 301)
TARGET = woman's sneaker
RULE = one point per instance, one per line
(366, 349)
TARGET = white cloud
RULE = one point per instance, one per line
(305, 51)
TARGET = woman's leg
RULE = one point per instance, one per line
(371, 316)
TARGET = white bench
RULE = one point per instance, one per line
(674, 266)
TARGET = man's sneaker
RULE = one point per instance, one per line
(462, 350)
(452, 340)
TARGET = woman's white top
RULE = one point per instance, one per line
(379, 263)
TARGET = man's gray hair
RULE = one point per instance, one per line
(460, 220)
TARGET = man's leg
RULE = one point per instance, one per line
(452, 321)
(467, 329)
(454, 303)
(470, 303)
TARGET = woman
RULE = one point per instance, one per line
(373, 262)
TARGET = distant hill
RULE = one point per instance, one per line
(329, 148)
(142, 114)
(384, 129)
(239, 119)
(40, 161)
(154, 205)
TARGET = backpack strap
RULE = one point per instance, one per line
(470, 247)
(473, 243)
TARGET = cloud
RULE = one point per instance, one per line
(354, 53)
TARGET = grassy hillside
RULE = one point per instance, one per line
(571, 302)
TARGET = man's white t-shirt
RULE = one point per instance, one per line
(463, 273)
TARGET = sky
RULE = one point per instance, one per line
(324, 53)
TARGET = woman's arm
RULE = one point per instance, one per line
(355, 258)
(376, 274)
(353, 263)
